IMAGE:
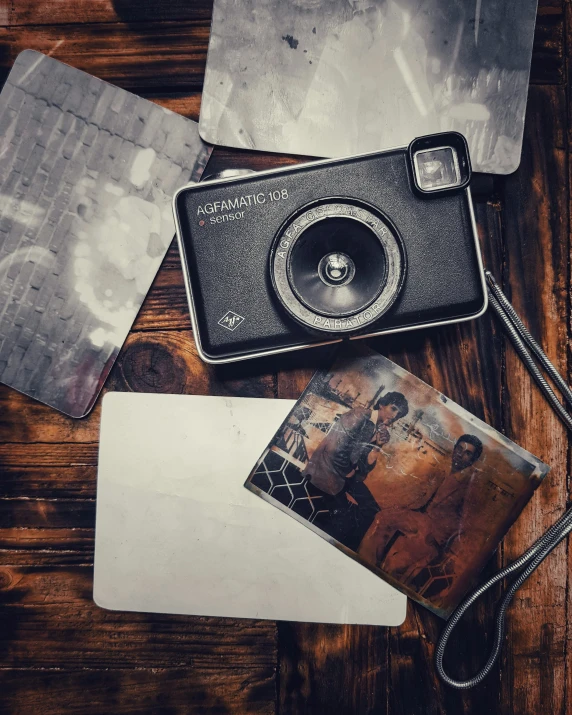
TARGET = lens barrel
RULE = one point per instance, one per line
(337, 265)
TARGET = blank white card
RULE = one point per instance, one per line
(177, 532)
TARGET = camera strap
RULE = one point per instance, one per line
(528, 349)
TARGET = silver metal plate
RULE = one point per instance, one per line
(332, 79)
(87, 173)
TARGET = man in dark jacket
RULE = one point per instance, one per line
(342, 461)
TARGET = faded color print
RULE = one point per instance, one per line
(398, 476)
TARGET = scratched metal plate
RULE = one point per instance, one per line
(339, 77)
(87, 173)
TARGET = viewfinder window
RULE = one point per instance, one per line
(437, 168)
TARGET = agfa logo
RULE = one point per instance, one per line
(231, 320)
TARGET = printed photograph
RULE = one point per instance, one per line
(331, 78)
(398, 476)
(87, 174)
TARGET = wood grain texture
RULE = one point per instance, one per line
(549, 57)
(332, 669)
(145, 57)
(166, 306)
(25, 421)
(63, 12)
(536, 220)
(186, 104)
(568, 634)
(46, 455)
(145, 690)
(49, 481)
(28, 546)
(61, 653)
(44, 606)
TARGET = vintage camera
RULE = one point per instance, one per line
(334, 249)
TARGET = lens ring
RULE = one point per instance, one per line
(389, 241)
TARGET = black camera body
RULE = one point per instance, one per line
(319, 252)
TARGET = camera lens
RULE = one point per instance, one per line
(338, 266)
(336, 269)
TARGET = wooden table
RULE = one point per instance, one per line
(61, 653)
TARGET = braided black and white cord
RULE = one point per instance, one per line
(524, 566)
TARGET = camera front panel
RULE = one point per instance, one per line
(227, 232)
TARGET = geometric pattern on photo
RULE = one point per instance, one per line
(279, 477)
(435, 578)
(322, 426)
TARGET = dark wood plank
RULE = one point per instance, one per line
(536, 221)
(27, 421)
(166, 305)
(162, 56)
(333, 669)
(47, 455)
(412, 644)
(48, 620)
(177, 691)
(223, 158)
(26, 546)
(568, 634)
(548, 54)
(47, 513)
(167, 361)
(186, 104)
(63, 12)
(49, 482)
